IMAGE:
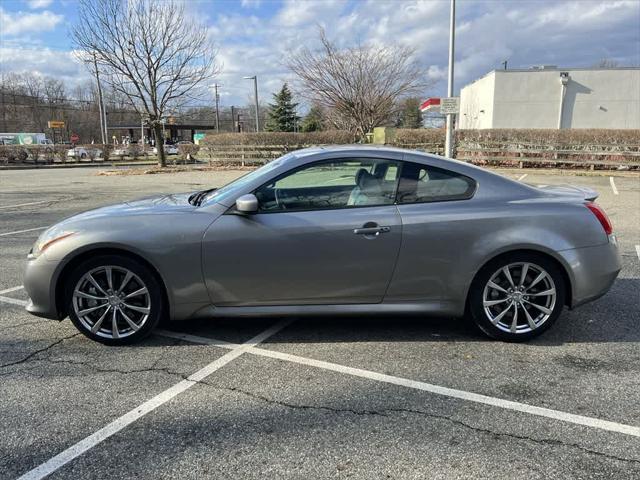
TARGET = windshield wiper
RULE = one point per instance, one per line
(197, 198)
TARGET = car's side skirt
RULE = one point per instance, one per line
(421, 308)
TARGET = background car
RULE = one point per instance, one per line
(344, 230)
(169, 149)
(84, 153)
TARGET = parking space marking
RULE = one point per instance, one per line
(439, 390)
(638, 251)
(194, 338)
(14, 301)
(128, 418)
(613, 186)
(22, 231)
(522, 177)
(12, 289)
(26, 204)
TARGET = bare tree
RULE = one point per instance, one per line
(606, 63)
(359, 86)
(149, 51)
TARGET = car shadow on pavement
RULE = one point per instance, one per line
(612, 318)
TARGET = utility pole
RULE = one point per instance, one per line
(233, 120)
(448, 143)
(217, 113)
(255, 93)
(103, 127)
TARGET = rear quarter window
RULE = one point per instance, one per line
(422, 183)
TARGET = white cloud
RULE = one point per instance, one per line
(45, 61)
(17, 23)
(34, 4)
(250, 3)
(525, 32)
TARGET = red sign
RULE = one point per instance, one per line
(429, 104)
(75, 138)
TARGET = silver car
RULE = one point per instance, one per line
(327, 231)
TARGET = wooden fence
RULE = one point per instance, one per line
(517, 154)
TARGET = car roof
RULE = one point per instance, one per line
(359, 148)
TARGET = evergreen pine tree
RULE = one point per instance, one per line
(410, 115)
(282, 113)
(312, 122)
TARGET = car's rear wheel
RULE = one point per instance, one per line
(114, 300)
(517, 297)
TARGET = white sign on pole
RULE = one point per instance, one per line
(449, 105)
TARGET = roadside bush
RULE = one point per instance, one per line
(188, 151)
(568, 137)
(106, 152)
(134, 151)
(328, 137)
(419, 135)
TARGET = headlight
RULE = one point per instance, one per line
(48, 238)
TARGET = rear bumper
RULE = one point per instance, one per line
(592, 270)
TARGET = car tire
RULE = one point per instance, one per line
(507, 306)
(114, 300)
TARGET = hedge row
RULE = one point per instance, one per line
(436, 136)
(329, 137)
(553, 137)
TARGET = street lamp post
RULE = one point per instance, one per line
(448, 143)
(255, 93)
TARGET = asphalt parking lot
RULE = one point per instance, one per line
(392, 398)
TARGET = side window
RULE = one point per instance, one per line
(340, 183)
(421, 183)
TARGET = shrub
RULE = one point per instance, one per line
(407, 136)
(328, 137)
(188, 149)
(134, 151)
(569, 137)
(106, 152)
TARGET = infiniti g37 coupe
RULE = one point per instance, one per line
(343, 230)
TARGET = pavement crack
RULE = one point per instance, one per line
(40, 350)
(295, 406)
(543, 441)
(385, 413)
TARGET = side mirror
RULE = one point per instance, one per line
(247, 203)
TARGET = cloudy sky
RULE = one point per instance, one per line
(254, 36)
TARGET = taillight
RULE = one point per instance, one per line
(600, 214)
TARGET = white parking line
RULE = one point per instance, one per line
(27, 204)
(14, 301)
(638, 251)
(22, 231)
(12, 289)
(448, 392)
(522, 177)
(613, 186)
(118, 424)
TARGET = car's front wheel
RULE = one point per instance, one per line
(517, 297)
(114, 300)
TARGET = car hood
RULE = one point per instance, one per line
(155, 205)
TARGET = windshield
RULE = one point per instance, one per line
(238, 184)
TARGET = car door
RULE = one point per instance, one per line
(326, 233)
(437, 220)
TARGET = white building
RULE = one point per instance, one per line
(551, 97)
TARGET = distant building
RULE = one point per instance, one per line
(552, 97)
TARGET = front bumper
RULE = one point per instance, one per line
(40, 278)
(592, 270)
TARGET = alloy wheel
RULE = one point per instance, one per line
(111, 302)
(519, 297)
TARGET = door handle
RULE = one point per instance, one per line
(371, 230)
